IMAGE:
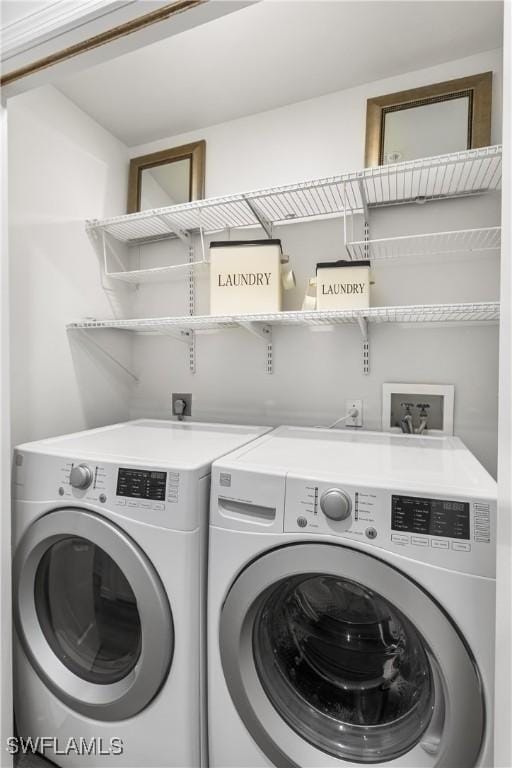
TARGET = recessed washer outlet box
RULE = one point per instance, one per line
(187, 399)
(436, 400)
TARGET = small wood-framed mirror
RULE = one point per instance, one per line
(432, 120)
(165, 178)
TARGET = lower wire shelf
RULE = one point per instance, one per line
(184, 328)
(420, 313)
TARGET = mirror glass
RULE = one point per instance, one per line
(425, 130)
(166, 184)
(169, 177)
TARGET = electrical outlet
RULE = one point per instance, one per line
(354, 421)
(187, 399)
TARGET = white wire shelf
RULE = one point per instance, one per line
(425, 313)
(158, 274)
(454, 175)
(484, 239)
(457, 174)
(184, 329)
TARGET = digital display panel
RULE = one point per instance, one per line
(431, 517)
(141, 484)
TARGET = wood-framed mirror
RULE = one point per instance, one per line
(168, 177)
(427, 121)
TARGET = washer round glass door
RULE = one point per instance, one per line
(92, 614)
(347, 658)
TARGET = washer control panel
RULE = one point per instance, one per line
(440, 518)
(319, 507)
(453, 532)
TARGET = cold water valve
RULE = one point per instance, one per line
(423, 417)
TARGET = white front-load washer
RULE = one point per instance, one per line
(110, 534)
(351, 603)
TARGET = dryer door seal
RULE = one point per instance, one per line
(333, 657)
(92, 614)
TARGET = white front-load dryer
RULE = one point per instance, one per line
(351, 603)
(110, 534)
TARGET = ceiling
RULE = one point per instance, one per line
(274, 53)
(14, 10)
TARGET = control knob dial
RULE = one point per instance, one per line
(336, 504)
(80, 476)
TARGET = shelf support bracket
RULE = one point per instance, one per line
(182, 234)
(93, 343)
(264, 332)
(265, 223)
(364, 199)
(184, 335)
(366, 211)
(106, 245)
(363, 327)
(192, 302)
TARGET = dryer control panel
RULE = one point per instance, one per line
(453, 532)
(159, 496)
(141, 484)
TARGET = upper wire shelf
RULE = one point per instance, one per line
(457, 174)
(482, 240)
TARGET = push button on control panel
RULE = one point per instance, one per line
(440, 544)
(419, 541)
(460, 546)
(302, 522)
(371, 533)
(399, 538)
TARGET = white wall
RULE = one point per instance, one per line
(64, 168)
(314, 138)
(70, 169)
(503, 701)
(5, 464)
(316, 371)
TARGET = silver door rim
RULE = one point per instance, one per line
(126, 697)
(455, 738)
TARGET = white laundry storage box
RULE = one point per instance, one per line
(343, 285)
(245, 277)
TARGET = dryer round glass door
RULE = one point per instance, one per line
(346, 660)
(92, 614)
(88, 611)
